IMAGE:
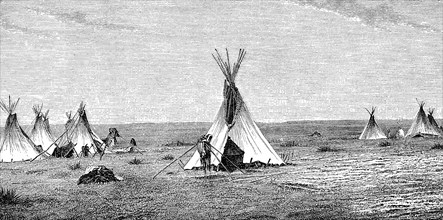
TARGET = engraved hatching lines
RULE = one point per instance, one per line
(72, 17)
(82, 19)
(377, 16)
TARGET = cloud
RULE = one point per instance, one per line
(82, 19)
(379, 16)
(14, 28)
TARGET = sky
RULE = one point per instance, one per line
(150, 61)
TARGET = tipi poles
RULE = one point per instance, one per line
(50, 145)
(104, 149)
(66, 130)
(72, 148)
(174, 161)
(221, 164)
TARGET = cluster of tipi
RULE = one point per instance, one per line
(78, 137)
(423, 125)
(234, 133)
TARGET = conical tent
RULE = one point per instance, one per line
(16, 145)
(65, 139)
(372, 130)
(82, 133)
(41, 132)
(432, 121)
(234, 120)
(421, 125)
(79, 132)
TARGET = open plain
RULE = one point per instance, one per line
(335, 176)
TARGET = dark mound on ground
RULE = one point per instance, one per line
(99, 174)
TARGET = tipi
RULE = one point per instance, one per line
(16, 145)
(432, 120)
(79, 132)
(234, 122)
(64, 139)
(41, 132)
(372, 130)
(421, 125)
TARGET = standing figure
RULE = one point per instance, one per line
(204, 149)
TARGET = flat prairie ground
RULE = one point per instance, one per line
(335, 176)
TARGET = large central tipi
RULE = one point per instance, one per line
(41, 132)
(421, 125)
(16, 145)
(234, 121)
(372, 130)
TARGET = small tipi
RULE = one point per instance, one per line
(433, 121)
(41, 132)
(372, 130)
(16, 145)
(234, 122)
(421, 125)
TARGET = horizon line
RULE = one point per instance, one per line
(263, 122)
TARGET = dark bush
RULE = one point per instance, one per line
(168, 157)
(135, 161)
(384, 144)
(8, 196)
(327, 149)
(437, 146)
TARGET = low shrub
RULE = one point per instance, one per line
(290, 144)
(327, 149)
(168, 157)
(384, 144)
(287, 156)
(437, 146)
(8, 196)
(135, 161)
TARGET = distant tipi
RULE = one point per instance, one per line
(421, 125)
(372, 130)
(16, 145)
(433, 121)
(233, 127)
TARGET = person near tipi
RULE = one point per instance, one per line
(204, 149)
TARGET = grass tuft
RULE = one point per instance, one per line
(168, 157)
(384, 143)
(177, 143)
(437, 146)
(75, 166)
(290, 144)
(287, 156)
(8, 196)
(135, 161)
(327, 149)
